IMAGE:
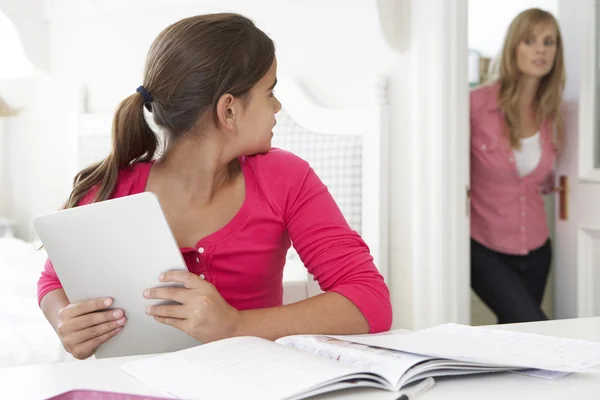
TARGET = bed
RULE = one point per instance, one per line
(26, 337)
(347, 148)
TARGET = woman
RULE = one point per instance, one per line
(233, 203)
(516, 131)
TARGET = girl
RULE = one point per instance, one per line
(516, 130)
(233, 203)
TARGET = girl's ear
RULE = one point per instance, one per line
(227, 111)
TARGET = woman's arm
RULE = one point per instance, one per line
(81, 327)
(51, 296)
(327, 313)
(51, 304)
(357, 300)
(206, 316)
(548, 186)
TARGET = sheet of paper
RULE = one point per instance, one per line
(540, 373)
(246, 368)
(473, 344)
(391, 365)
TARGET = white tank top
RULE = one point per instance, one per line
(530, 154)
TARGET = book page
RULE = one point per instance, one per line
(391, 365)
(245, 367)
(540, 373)
(496, 347)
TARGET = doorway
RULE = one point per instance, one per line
(575, 233)
(488, 23)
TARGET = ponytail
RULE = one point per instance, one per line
(132, 140)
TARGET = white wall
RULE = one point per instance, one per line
(36, 171)
(333, 46)
(489, 20)
(28, 16)
(330, 45)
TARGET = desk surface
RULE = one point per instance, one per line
(43, 381)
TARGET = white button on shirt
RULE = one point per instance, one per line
(201, 250)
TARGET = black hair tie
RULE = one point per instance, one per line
(147, 97)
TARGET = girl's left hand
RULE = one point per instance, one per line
(202, 314)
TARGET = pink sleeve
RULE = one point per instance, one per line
(336, 255)
(48, 281)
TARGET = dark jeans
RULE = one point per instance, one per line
(512, 286)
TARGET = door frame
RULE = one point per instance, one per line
(441, 260)
(440, 162)
(587, 91)
(573, 248)
(586, 169)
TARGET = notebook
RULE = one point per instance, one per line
(86, 394)
(300, 366)
(117, 248)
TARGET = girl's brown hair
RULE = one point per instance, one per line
(190, 65)
(549, 95)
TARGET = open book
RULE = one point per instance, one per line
(301, 366)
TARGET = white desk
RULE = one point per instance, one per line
(42, 381)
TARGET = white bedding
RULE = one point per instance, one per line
(25, 335)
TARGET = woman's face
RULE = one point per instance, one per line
(536, 53)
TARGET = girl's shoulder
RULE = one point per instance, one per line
(280, 162)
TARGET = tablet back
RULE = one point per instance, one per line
(117, 248)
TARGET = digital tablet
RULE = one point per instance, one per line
(117, 248)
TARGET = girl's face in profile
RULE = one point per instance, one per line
(258, 119)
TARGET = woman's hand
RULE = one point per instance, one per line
(202, 312)
(83, 327)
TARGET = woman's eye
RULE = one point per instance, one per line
(528, 42)
(549, 42)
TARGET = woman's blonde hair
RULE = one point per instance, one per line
(505, 72)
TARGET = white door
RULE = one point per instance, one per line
(577, 229)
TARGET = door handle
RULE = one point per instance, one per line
(563, 199)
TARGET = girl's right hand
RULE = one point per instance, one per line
(82, 327)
